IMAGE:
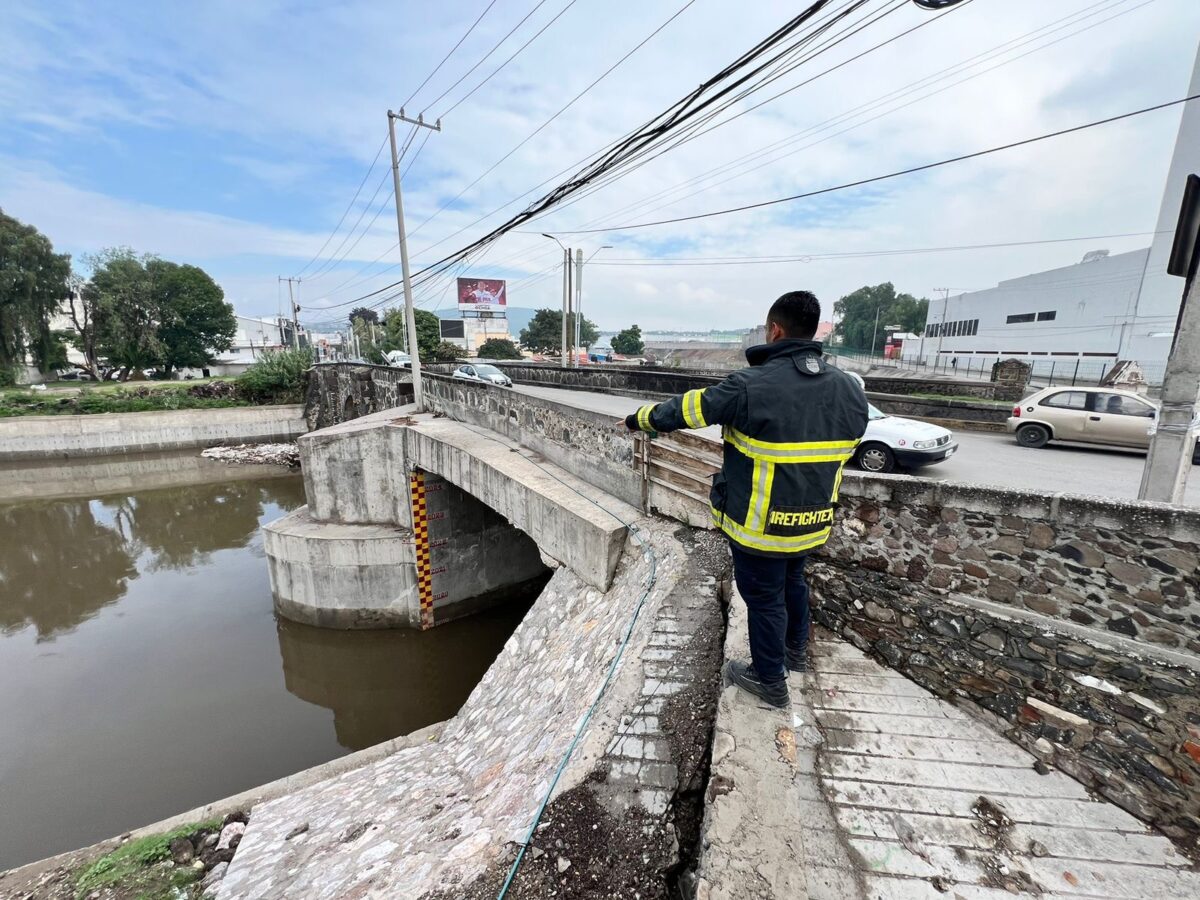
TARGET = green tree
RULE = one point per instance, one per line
(34, 283)
(447, 352)
(124, 309)
(498, 348)
(193, 318)
(365, 313)
(429, 332)
(544, 332)
(858, 312)
(629, 342)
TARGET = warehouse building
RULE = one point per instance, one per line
(1082, 318)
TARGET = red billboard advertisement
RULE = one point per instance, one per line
(481, 294)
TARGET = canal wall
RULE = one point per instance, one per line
(98, 476)
(1072, 622)
(102, 434)
(438, 816)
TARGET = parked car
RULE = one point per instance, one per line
(894, 442)
(399, 360)
(482, 372)
(1107, 416)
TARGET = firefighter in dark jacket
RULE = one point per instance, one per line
(790, 424)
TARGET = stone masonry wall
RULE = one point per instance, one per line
(339, 392)
(1074, 620)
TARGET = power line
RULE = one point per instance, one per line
(910, 171)
(349, 206)
(447, 56)
(485, 56)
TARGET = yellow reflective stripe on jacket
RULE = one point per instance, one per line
(769, 542)
(808, 452)
(760, 495)
(643, 418)
(693, 410)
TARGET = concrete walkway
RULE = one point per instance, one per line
(877, 789)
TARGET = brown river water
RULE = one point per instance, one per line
(143, 671)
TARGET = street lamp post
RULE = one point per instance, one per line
(566, 292)
(579, 294)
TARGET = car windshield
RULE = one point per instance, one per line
(487, 371)
(874, 412)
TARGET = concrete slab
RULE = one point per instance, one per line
(895, 795)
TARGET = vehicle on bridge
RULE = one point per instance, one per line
(894, 442)
(1107, 416)
(482, 372)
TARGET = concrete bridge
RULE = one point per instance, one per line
(1005, 698)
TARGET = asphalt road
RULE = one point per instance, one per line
(982, 458)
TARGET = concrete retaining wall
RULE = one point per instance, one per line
(339, 392)
(1074, 620)
(44, 437)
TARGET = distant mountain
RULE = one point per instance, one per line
(518, 317)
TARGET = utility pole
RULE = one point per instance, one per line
(875, 330)
(295, 312)
(942, 326)
(579, 290)
(410, 318)
(1170, 458)
(566, 294)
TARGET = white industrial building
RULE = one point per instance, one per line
(1081, 317)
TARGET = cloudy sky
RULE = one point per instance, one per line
(234, 135)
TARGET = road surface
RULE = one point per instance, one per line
(982, 458)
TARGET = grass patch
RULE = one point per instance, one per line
(136, 871)
(118, 400)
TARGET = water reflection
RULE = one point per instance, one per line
(58, 565)
(182, 527)
(380, 684)
(140, 658)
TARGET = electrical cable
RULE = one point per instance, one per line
(910, 171)
(448, 55)
(485, 56)
(349, 206)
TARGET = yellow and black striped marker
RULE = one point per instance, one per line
(420, 515)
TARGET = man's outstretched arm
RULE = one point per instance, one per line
(717, 405)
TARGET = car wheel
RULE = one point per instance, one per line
(1033, 436)
(875, 458)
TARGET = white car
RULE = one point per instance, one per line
(482, 372)
(893, 442)
(399, 359)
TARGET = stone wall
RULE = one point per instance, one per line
(1074, 620)
(339, 392)
(584, 443)
(984, 390)
(611, 379)
(944, 410)
(62, 437)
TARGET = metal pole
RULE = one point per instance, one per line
(410, 318)
(875, 330)
(295, 318)
(1052, 365)
(1170, 458)
(578, 306)
(1075, 375)
(566, 302)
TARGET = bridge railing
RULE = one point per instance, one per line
(676, 472)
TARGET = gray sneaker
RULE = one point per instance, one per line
(743, 675)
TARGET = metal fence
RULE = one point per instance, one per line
(1048, 372)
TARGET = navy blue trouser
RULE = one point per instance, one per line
(776, 597)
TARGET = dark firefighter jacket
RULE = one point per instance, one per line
(790, 423)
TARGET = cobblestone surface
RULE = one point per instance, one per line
(438, 815)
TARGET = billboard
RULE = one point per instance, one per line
(453, 328)
(481, 295)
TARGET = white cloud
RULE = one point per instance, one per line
(296, 92)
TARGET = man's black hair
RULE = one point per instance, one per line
(798, 313)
